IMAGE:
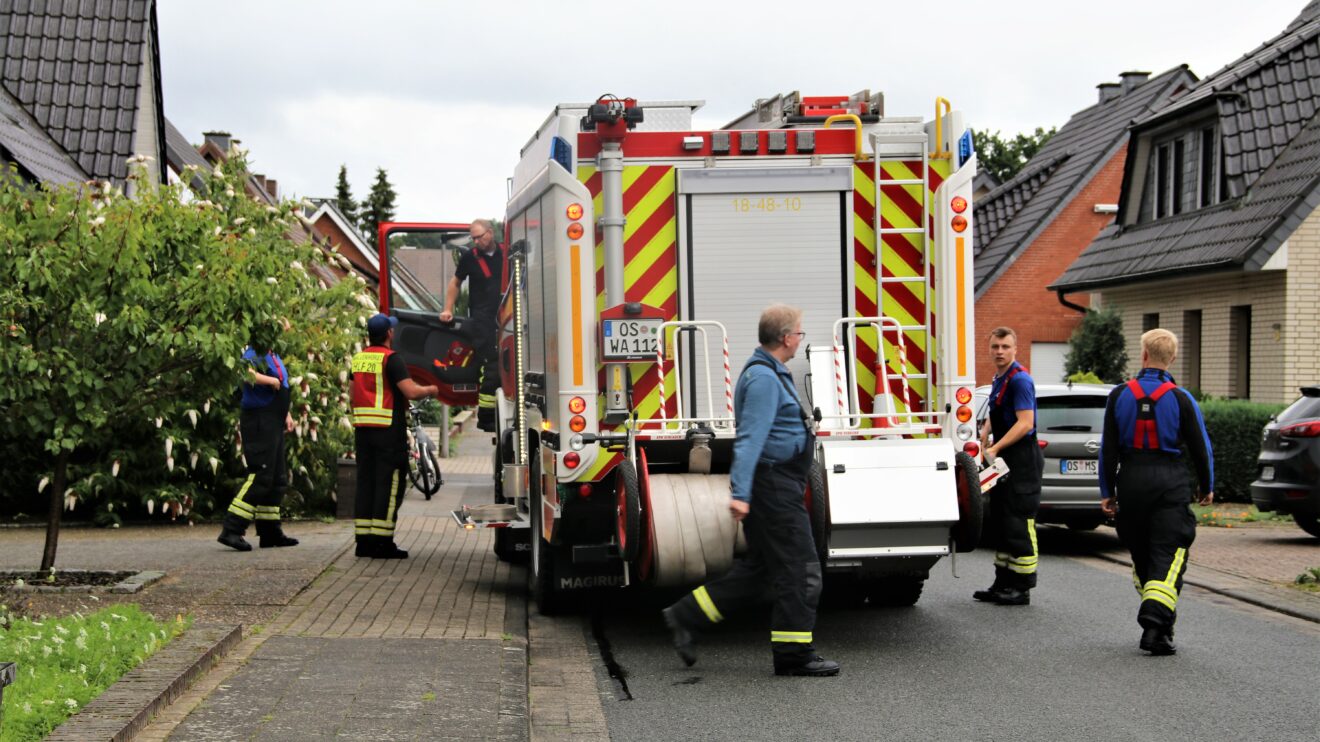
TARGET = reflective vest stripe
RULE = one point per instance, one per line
(791, 637)
(373, 399)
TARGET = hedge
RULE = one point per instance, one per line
(1235, 434)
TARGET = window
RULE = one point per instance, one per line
(1206, 176)
(1179, 163)
(1076, 413)
(1150, 321)
(1162, 181)
(1239, 348)
(1190, 349)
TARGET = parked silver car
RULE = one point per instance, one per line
(1069, 420)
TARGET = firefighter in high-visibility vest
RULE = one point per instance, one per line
(381, 390)
(262, 422)
(483, 269)
(1149, 422)
(1010, 525)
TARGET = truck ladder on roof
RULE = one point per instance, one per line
(900, 147)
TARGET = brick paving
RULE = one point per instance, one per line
(1273, 552)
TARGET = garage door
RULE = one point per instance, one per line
(748, 249)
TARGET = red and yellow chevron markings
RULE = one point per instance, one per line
(650, 276)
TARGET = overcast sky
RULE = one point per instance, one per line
(443, 95)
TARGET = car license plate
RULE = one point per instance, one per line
(1079, 467)
(630, 339)
(1267, 473)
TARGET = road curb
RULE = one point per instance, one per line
(126, 707)
(1260, 594)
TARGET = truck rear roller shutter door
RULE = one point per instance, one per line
(747, 250)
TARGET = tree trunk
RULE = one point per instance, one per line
(61, 479)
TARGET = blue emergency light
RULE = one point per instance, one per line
(965, 147)
(562, 152)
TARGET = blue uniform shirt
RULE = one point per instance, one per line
(1005, 403)
(769, 422)
(1177, 420)
(257, 396)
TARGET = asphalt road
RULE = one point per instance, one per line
(1065, 668)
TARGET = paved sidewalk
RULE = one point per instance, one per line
(431, 647)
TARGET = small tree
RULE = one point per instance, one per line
(1097, 347)
(123, 320)
(379, 206)
(1005, 157)
(344, 196)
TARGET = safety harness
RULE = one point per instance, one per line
(1147, 434)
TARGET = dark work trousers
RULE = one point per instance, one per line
(262, 493)
(1010, 523)
(382, 477)
(484, 340)
(1156, 524)
(781, 555)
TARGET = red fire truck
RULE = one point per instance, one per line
(641, 253)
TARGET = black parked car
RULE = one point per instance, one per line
(1288, 478)
(1070, 418)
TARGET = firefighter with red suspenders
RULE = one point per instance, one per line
(483, 269)
(1149, 422)
(380, 393)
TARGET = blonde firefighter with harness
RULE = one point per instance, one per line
(772, 456)
(380, 393)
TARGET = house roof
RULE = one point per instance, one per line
(23, 141)
(1021, 208)
(1267, 104)
(179, 153)
(76, 66)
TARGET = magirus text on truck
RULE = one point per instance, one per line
(640, 255)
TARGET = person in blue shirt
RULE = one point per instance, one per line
(1152, 428)
(1010, 523)
(773, 452)
(262, 423)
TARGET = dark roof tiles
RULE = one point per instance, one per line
(25, 142)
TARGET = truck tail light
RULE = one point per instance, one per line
(572, 460)
(963, 395)
(575, 231)
(960, 223)
(584, 490)
(964, 414)
(972, 448)
(577, 405)
(577, 424)
(574, 211)
(1302, 430)
(1042, 444)
(958, 204)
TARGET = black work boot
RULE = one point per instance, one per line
(1157, 641)
(271, 534)
(486, 419)
(231, 533)
(815, 666)
(681, 636)
(1010, 596)
(986, 595)
(366, 546)
(387, 549)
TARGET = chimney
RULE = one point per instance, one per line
(219, 138)
(273, 188)
(1133, 80)
(1109, 91)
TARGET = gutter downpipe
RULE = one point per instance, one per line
(1070, 305)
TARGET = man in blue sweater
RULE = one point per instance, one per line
(772, 455)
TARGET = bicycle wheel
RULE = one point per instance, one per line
(428, 472)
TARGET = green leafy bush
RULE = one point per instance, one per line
(1084, 377)
(123, 321)
(1097, 346)
(1235, 433)
(64, 663)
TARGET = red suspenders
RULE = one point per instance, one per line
(1146, 435)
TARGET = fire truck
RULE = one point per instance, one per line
(640, 255)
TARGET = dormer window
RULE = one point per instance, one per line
(1183, 173)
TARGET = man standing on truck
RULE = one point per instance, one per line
(772, 456)
(483, 268)
(381, 390)
(1149, 422)
(1010, 525)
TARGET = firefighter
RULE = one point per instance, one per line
(1011, 521)
(1149, 422)
(262, 422)
(483, 268)
(772, 455)
(381, 390)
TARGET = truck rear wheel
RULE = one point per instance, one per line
(1308, 523)
(542, 571)
(971, 504)
(818, 507)
(897, 591)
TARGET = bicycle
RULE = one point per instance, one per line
(423, 462)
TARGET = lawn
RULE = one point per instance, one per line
(63, 663)
(1231, 515)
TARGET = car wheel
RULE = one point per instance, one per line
(898, 591)
(1088, 524)
(1309, 523)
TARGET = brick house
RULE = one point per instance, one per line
(87, 73)
(1217, 236)
(1041, 219)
